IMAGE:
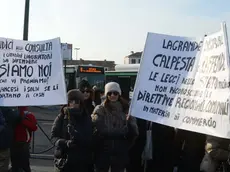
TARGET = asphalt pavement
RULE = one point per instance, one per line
(38, 165)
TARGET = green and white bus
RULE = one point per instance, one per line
(125, 75)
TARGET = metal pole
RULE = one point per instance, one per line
(26, 20)
(25, 37)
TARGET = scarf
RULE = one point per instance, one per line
(115, 118)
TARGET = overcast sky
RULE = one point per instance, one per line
(110, 29)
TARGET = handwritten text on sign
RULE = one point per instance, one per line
(31, 73)
(184, 83)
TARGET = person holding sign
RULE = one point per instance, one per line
(114, 131)
(72, 135)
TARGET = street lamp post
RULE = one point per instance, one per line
(26, 20)
(76, 51)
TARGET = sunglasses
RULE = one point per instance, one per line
(85, 91)
(114, 93)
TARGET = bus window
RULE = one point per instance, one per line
(93, 74)
(133, 81)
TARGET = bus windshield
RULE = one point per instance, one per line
(95, 75)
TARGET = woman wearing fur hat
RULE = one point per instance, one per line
(114, 131)
(72, 135)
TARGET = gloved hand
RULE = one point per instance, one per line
(69, 143)
(62, 143)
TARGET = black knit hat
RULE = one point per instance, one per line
(84, 85)
(75, 94)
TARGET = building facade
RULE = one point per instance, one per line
(133, 58)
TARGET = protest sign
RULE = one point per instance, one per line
(31, 73)
(184, 83)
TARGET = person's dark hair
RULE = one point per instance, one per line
(81, 105)
(124, 103)
(88, 103)
(84, 85)
(97, 96)
(62, 109)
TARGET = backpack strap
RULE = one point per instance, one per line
(65, 122)
(69, 124)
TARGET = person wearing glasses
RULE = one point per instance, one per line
(87, 92)
(114, 131)
(71, 133)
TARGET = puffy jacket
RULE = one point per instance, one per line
(28, 124)
(82, 138)
(114, 134)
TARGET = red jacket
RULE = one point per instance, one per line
(23, 131)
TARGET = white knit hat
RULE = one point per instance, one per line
(112, 86)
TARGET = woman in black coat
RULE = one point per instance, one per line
(72, 135)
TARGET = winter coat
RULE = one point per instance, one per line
(217, 152)
(2, 122)
(28, 124)
(10, 118)
(215, 145)
(81, 137)
(89, 106)
(114, 135)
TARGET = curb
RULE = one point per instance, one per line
(42, 156)
(41, 169)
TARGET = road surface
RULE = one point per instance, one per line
(41, 165)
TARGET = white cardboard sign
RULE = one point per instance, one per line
(31, 73)
(184, 83)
